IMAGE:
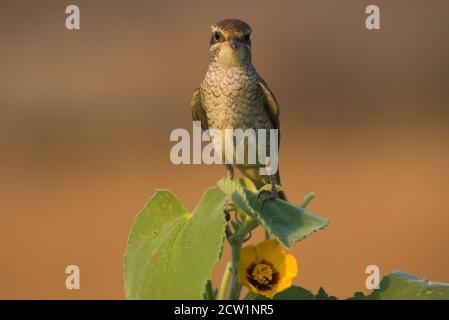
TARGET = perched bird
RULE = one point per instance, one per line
(234, 96)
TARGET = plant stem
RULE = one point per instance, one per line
(235, 287)
(308, 197)
(267, 235)
(224, 287)
(236, 241)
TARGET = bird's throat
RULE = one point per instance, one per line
(231, 57)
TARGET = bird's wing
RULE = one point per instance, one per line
(272, 107)
(198, 113)
(270, 103)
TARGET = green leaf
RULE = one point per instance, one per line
(400, 285)
(323, 295)
(292, 293)
(358, 296)
(288, 223)
(171, 253)
(395, 286)
(299, 293)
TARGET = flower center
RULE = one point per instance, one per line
(262, 273)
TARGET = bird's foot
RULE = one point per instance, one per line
(268, 195)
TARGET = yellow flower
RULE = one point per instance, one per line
(267, 268)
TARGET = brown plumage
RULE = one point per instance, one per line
(233, 95)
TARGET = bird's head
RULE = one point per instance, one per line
(230, 43)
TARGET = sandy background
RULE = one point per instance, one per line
(85, 119)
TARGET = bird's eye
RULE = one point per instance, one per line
(246, 38)
(217, 37)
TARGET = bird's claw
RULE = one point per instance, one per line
(267, 195)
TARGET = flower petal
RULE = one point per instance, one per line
(283, 285)
(271, 251)
(247, 256)
(288, 268)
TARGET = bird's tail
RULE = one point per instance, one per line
(282, 195)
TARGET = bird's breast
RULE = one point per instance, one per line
(232, 99)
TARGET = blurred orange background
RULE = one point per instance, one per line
(85, 118)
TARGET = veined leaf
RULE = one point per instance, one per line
(288, 223)
(401, 285)
(171, 253)
(299, 293)
(395, 286)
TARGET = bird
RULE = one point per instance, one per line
(234, 96)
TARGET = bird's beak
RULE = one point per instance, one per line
(233, 43)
